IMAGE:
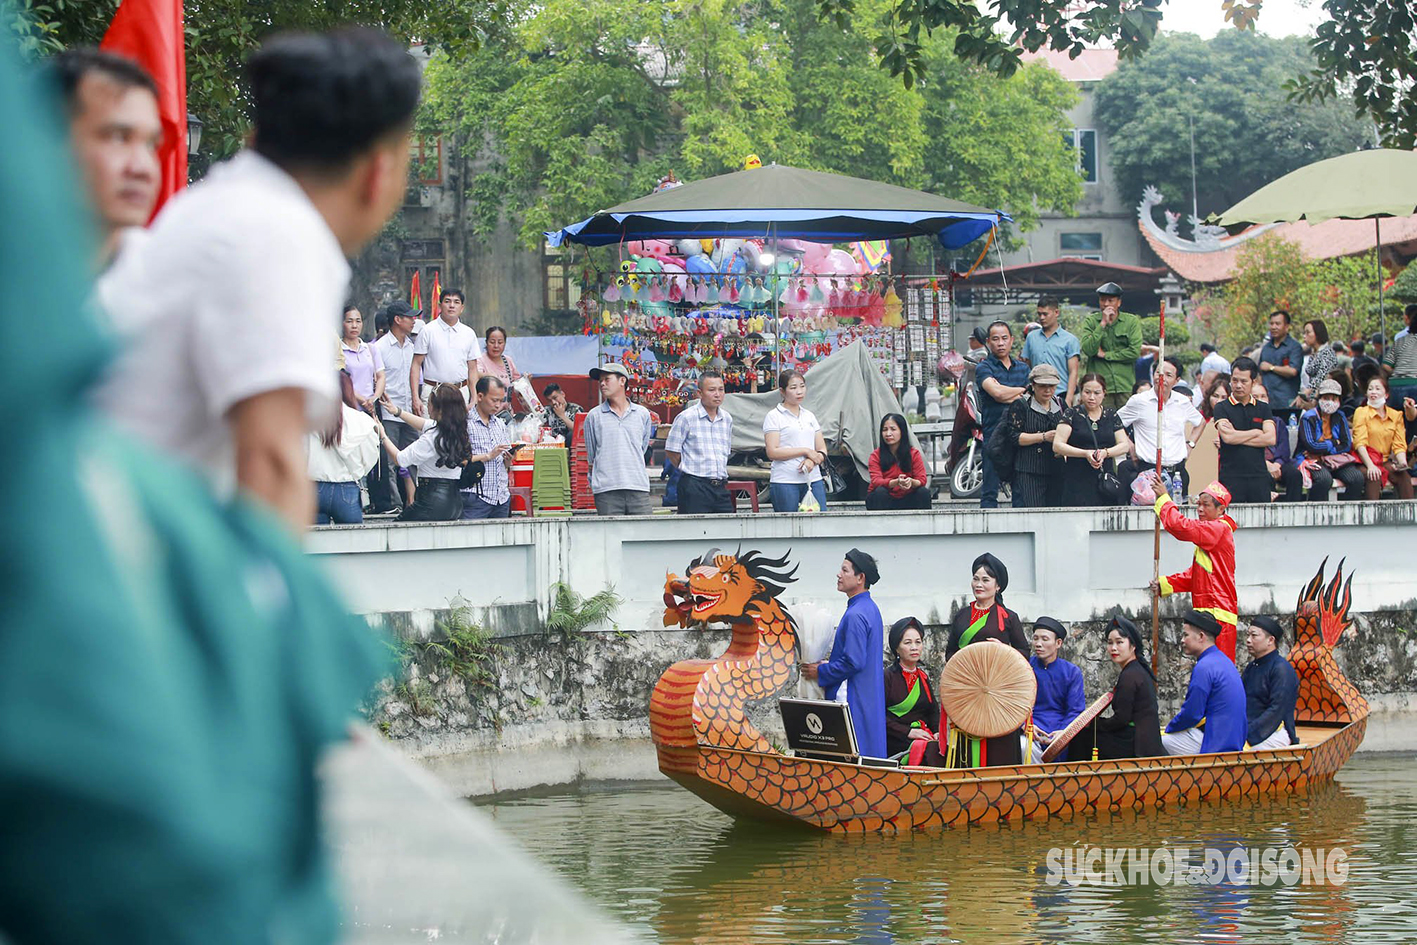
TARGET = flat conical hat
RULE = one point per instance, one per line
(987, 689)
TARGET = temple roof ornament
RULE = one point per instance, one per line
(1207, 239)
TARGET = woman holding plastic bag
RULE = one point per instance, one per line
(797, 449)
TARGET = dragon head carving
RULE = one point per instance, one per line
(723, 587)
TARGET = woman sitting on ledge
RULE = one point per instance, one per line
(897, 469)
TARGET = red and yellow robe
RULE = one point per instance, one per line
(1210, 579)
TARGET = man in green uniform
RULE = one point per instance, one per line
(1111, 344)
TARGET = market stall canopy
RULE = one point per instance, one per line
(787, 203)
(1357, 186)
(847, 393)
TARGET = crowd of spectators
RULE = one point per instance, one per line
(1286, 420)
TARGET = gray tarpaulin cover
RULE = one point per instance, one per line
(847, 393)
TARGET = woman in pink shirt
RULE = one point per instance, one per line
(495, 361)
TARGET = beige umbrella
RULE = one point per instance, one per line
(1363, 185)
(987, 689)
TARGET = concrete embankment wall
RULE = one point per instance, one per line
(547, 708)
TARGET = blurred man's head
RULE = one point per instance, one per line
(115, 131)
(334, 110)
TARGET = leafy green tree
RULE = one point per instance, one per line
(588, 102)
(999, 142)
(221, 33)
(1247, 133)
(1367, 49)
(1272, 273)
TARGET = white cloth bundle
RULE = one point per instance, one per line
(816, 628)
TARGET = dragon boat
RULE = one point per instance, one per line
(706, 742)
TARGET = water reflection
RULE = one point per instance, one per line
(663, 861)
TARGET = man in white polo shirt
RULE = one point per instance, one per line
(230, 307)
(446, 353)
(1181, 422)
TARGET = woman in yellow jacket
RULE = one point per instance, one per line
(1380, 442)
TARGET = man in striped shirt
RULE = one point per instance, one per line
(491, 442)
(699, 444)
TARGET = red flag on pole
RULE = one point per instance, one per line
(415, 293)
(150, 33)
(437, 294)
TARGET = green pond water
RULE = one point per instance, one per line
(675, 870)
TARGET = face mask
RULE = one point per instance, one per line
(1376, 401)
(1328, 406)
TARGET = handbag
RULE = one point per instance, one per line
(1002, 446)
(1107, 482)
(472, 473)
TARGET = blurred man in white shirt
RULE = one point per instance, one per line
(229, 305)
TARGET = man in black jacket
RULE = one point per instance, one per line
(1271, 688)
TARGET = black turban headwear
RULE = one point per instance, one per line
(996, 568)
(864, 564)
(1269, 625)
(897, 631)
(1048, 623)
(1203, 622)
(1129, 630)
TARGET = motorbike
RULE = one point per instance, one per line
(965, 464)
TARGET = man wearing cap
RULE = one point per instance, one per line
(1271, 687)
(856, 655)
(1060, 696)
(396, 351)
(1033, 421)
(1053, 344)
(1211, 577)
(617, 433)
(1215, 696)
(1111, 343)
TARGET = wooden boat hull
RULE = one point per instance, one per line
(847, 798)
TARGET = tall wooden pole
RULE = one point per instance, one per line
(1161, 395)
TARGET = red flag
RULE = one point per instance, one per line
(150, 33)
(415, 294)
(437, 295)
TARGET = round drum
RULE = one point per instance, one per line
(987, 689)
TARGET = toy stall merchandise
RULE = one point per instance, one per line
(750, 310)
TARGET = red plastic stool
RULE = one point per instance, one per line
(748, 488)
(524, 494)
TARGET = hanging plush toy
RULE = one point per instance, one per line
(892, 317)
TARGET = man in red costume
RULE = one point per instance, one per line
(1211, 577)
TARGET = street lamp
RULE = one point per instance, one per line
(194, 134)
